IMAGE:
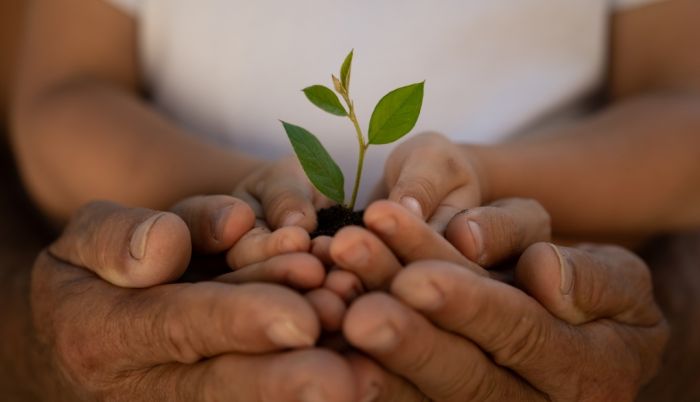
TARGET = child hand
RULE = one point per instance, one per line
(434, 178)
(281, 195)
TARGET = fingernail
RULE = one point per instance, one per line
(427, 297)
(139, 239)
(218, 222)
(382, 338)
(292, 218)
(566, 273)
(312, 393)
(412, 205)
(355, 256)
(478, 237)
(286, 334)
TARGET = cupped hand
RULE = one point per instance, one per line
(281, 195)
(205, 341)
(434, 178)
(585, 327)
(395, 237)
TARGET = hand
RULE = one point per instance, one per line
(281, 195)
(434, 178)
(591, 330)
(394, 237)
(206, 341)
(427, 348)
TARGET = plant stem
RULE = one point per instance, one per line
(345, 93)
(363, 149)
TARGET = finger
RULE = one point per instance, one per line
(251, 201)
(422, 173)
(299, 376)
(215, 222)
(128, 247)
(579, 285)
(321, 248)
(362, 253)
(288, 200)
(442, 365)
(345, 284)
(488, 235)
(506, 323)
(460, 199)
(300, 270)
(409, 238)
(259, 245)
(179, 322)
(375, 383)
(329, 307)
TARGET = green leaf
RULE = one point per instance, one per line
(320, 168)
(345, 70)
(396, 114)
(325, 99)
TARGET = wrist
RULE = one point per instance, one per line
(477, 156)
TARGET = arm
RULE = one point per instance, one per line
(632, 168)
(82, 132)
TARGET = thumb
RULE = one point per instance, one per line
(423, 172)
(586, 283)
(128, 247)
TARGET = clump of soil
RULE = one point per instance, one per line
(331, 220)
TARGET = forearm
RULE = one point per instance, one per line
(89, 140)
(632, 169)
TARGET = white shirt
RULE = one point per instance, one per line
(228, 70)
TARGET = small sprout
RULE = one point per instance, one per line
(394, 116)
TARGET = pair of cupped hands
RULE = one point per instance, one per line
(425, 318)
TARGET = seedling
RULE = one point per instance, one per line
(394, 116)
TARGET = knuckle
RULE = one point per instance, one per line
(505, 231)
(423, 189)
(523, 343)
(479, 387)
(278, 202)
(173, 327)
(421, 358)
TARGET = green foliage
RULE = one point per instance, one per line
(325, 99)
(393, 117)
(318, 165)
(345, 71)
(396, 114)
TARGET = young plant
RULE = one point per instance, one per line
(393, 117)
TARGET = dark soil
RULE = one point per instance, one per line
(331, 220)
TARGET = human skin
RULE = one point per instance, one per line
(26, 361)
(165, 342)
(583, 325)
(630, 168)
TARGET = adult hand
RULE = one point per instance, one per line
(206, 341)
(434, 178)
(394, 237)
(282, 195)
(587, 328)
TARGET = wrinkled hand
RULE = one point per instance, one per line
(281, 195)
(207, 341)
(370, 258)
(434, 178)
(584, 327)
